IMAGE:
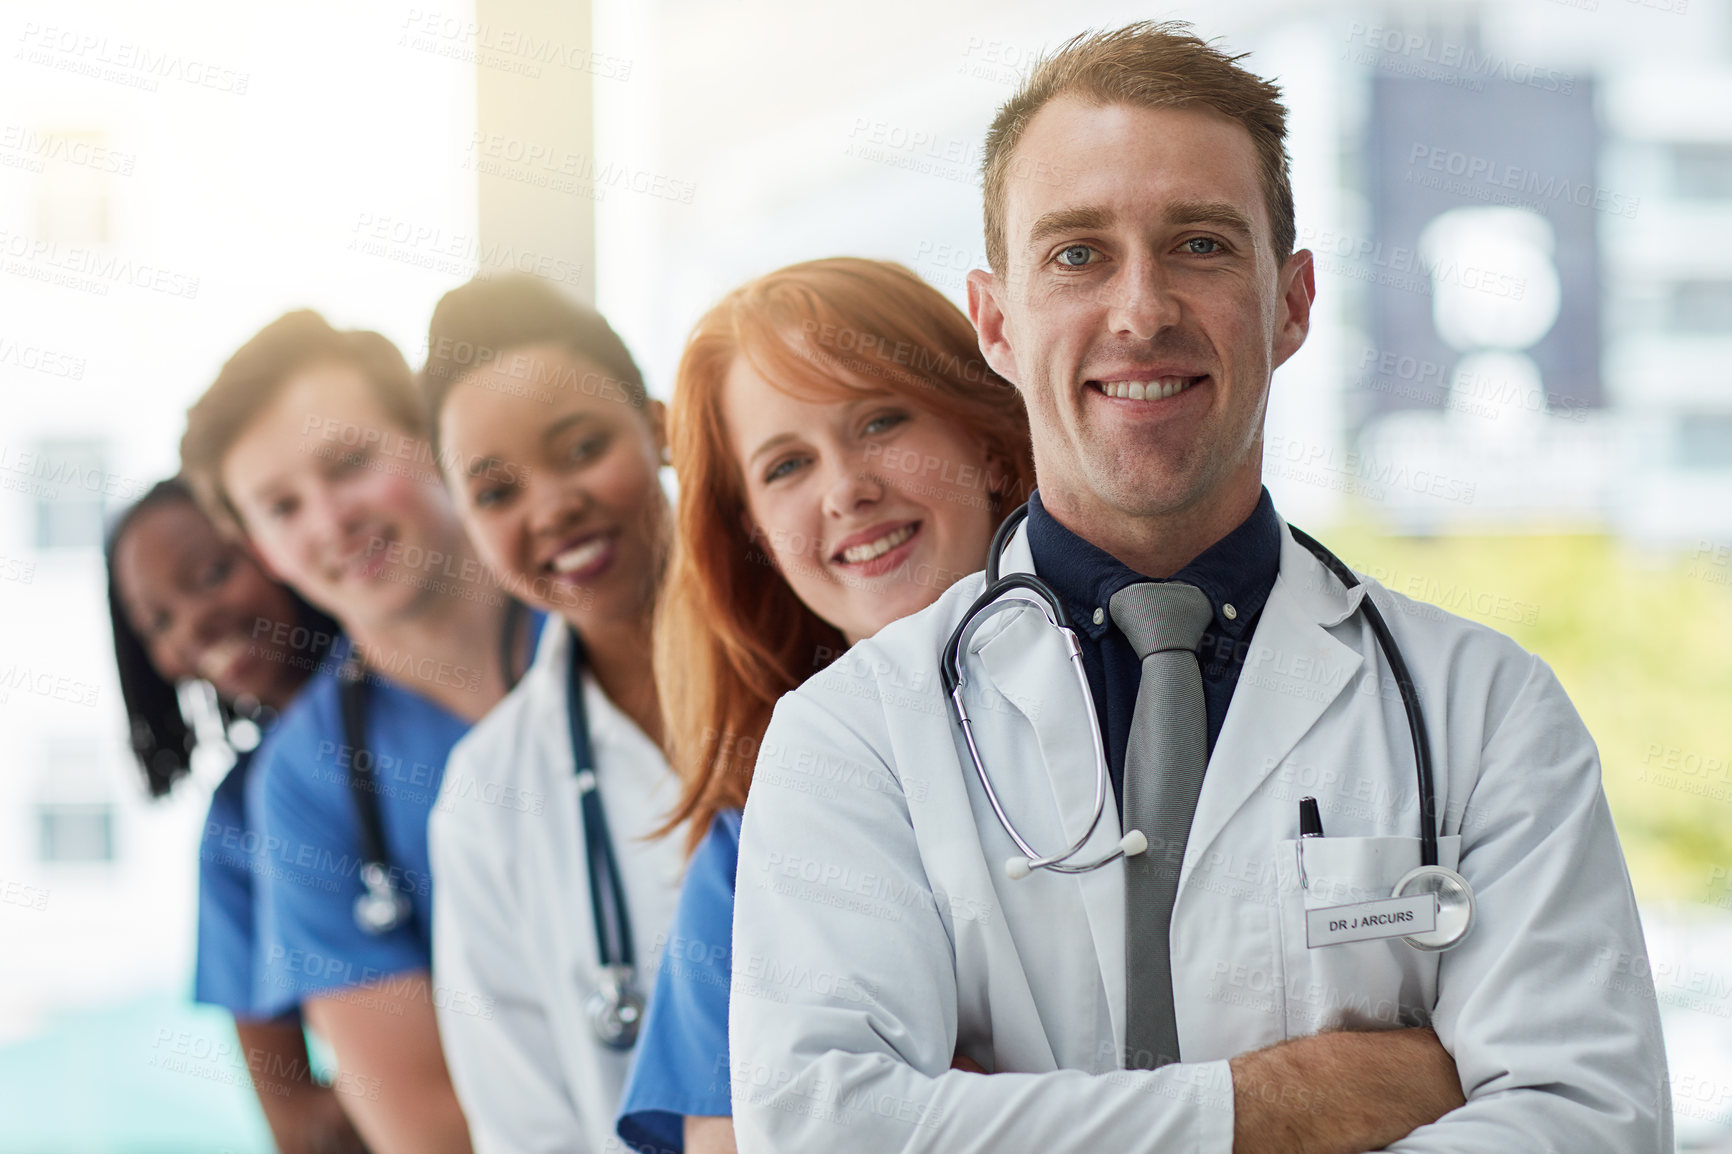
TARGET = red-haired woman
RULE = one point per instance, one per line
(844, 455)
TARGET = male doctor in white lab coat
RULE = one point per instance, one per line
(1143, 290)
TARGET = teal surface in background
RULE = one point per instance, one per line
(154, 1076)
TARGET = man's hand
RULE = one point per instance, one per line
(1341, 1093)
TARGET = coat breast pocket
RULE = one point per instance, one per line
(1379, 984)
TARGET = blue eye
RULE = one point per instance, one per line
(1075, 255)
(884, 423)
(488, 498)
(783, 469)
(1214, 245)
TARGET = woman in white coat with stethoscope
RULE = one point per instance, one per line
(550, 895)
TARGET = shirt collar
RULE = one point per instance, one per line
(1236, 573)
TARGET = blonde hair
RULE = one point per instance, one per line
(1148, 65)
(251, 379)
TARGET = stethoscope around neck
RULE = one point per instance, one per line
(1455, 903)
(381, 906)
(616, 1008)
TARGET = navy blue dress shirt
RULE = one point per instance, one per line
(1236, 572)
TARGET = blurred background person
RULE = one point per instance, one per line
(186, 604)
(551, 894)
(312, 441)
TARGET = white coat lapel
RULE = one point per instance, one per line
(1294, 670)
(1026, 662)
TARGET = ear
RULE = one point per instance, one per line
(986, 299)
(1298, 286)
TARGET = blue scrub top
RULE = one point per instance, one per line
(225, 972)
(681, 1067)
(310, 857)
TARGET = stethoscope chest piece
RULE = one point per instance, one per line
(615, 1009)
(1455, 909)
(380, 909)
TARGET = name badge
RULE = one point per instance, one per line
(1368, 921)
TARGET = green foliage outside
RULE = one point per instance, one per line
(1642, 643)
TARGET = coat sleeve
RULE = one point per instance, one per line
(493, 1026)
(844, 1009)
(1546, 1006)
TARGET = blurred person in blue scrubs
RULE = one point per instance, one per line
(551, 885)
(185, 604)
(844, 455)
(311, 442)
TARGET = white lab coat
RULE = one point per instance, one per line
(876, 934)
(514, 950)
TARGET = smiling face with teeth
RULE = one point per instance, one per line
(564, 498)
(868, 505)
(1141, 314)
(338, 517)
(194, 600)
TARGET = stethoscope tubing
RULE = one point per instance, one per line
(607, 906)
(990, 601)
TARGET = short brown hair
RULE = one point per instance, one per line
(476, 323)
(731, 635)
(252, 377)
(1149, 64)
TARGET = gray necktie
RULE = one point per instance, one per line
(1164, 763)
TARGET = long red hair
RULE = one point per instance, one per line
(731, 636)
